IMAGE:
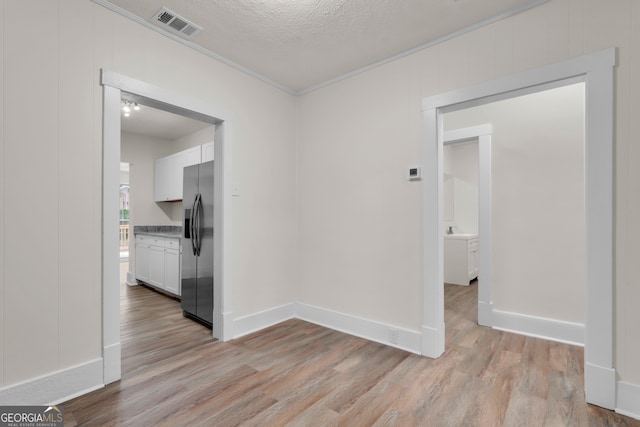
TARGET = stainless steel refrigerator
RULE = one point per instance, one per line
(197, 243)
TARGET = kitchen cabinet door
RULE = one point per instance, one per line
(142, 260)
(192, 156)
(168, 174)
(172, 271)
(165, 191)
(156, 266)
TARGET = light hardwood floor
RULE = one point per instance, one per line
(300, 374)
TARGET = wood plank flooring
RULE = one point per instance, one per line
(300, 374)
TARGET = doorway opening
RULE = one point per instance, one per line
(123, 215)
(115, 88)
(536, 187)
(596, 71)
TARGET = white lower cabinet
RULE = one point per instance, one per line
(172, 271)
(460, 258)
(142, 259)
(156, 266)
(158, 262)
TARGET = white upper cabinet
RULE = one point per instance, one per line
(207, 152)
(192, 156)
(168, 174)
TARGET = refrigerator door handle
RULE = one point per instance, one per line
(198, 224)
(191, 226)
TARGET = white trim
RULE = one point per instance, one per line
(55, 387)
(601, 381)
(112, 362)
(371, 330)
(539, 327)
(628, 402)
(481, 133)
(131, 279)
(516, 10)
(254, 322)
(114, 86)
(110, 223)
(597, 71)
(464, 134)
(407, 339)
(485, 312)
(433, 341)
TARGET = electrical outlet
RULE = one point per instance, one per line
(394, 336)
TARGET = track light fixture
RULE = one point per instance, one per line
(128, 106)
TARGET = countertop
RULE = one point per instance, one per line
(168, 231)
(461, 236)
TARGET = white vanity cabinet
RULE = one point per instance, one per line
(460, 258)
(158, 262)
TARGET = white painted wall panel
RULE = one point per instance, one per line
(530, 39)
(628, 227)
(79, 316)
(2, 181)
(31, 126)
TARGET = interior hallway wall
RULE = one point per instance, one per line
(361, 221)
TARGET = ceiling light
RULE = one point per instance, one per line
(128, 107)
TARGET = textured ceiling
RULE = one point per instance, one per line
(300, 44)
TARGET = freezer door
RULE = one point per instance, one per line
(189, 259)
(205, 260)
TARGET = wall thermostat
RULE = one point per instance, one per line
(414, 173)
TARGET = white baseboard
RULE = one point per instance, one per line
(549, 329)
(112, 355)
(131, 279)
(628, 402)
(263, 319)
(433, 341)
(485, 313)
(55, 387)
(394, 336)
(600, 385)
(391, 335)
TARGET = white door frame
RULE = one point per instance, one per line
(482, 134)
(114, 85)
(596, 70)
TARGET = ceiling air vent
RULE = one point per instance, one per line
(166, 18)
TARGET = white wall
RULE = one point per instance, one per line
(360, 221)
(199, 137)
(460, 190)
(51, 291)
(141, 152)
(537, 201)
